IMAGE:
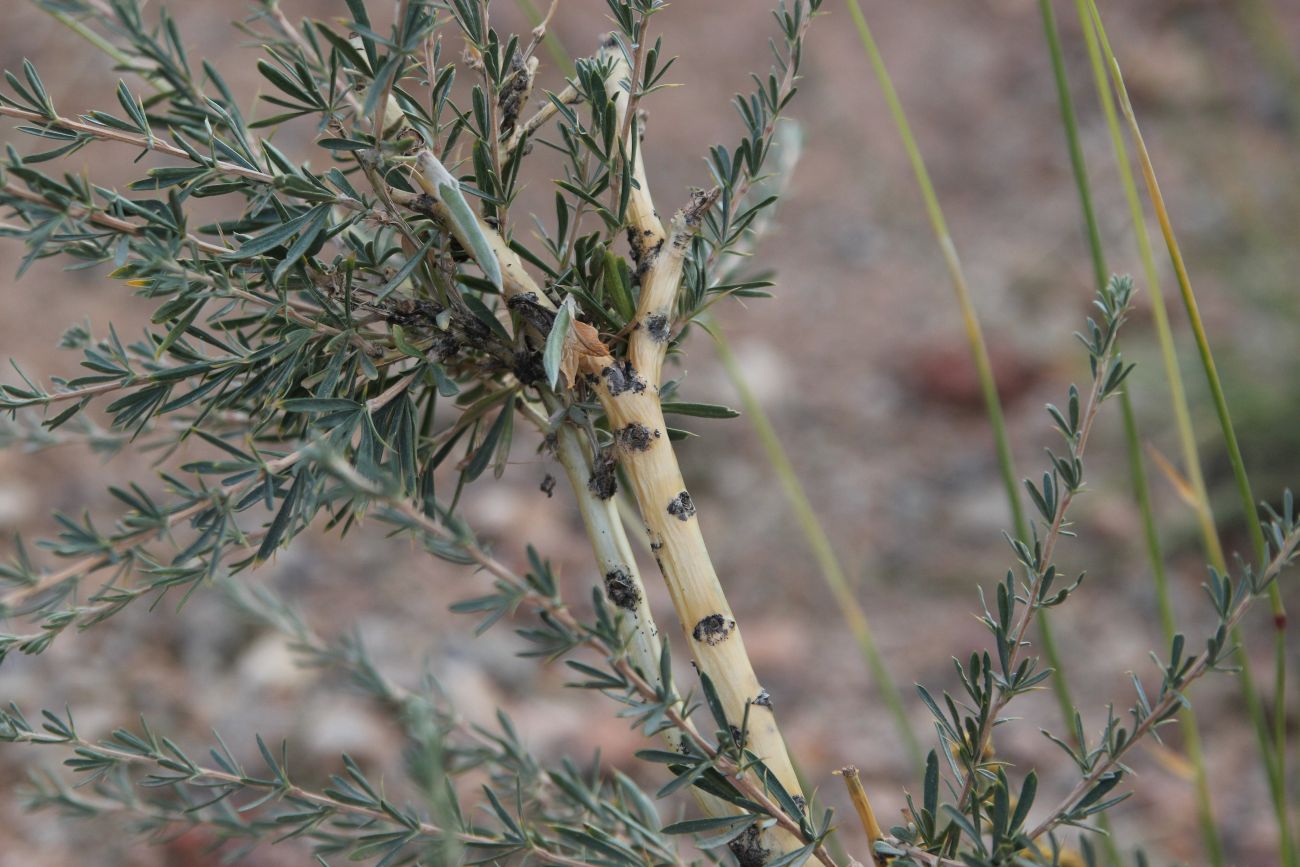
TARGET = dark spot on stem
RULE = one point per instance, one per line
(413, 311)
(637, 437)
(657, 325)
(681, 507)
(444, 347)
(621, 589)
(713, 629)
(529, 368)
(701, 201)
(749, 849)
(621, 377)
(643, 253)
(531, 311)
(425, 205)
(604, 482)
(691, 216)
(514, 94)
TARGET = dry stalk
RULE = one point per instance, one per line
(867, 816)
(623, 585)
(628, 392)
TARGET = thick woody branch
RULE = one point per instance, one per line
(624, 588)
(430, 173)
(648, 343)
(629, 393)
(659, 256)
(632, 405)
(645, 231)
(618, 568)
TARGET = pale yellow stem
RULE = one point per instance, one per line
(629, 393)
(631, 402)
(858, 795)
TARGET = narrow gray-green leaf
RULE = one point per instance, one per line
(470, 232)
(275, 236)
(700, 410)
(412, 262)
(554, 352)
(306, 238)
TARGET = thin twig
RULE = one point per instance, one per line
(557, 611)
(87, 565)
(1204, 663)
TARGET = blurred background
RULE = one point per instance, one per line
(861, 361)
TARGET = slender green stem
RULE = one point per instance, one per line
(1159, 313)
(1101, 273)
(1137, 472)
(1187, 719)
(81, 29)
(1272, 741)
(819, 543)
(1192, 308)
(974, 336)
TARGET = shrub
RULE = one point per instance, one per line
(359, 335)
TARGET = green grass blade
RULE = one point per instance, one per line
(1137, 472)
(1192, 308)
(974, 336)
(1159, 313)
(1272, 741)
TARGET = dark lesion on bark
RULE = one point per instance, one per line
(644, 246)
(621, 377)
(658, 327)
(637, 437)
(604, 480)
(749, 849)
(714, 629)
(682, 507)
(621, 590)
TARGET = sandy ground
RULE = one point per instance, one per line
(859, 359)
